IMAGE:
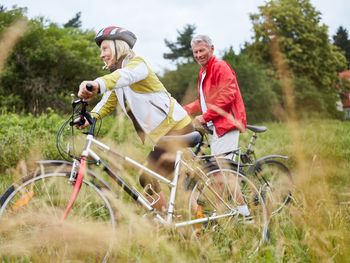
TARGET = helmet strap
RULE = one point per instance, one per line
(115, 66)
(115, 50)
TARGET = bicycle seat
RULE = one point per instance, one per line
(257, 129)
(187, 140)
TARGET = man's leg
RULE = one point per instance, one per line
(219, 145)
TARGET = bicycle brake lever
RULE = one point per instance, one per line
(76, 102)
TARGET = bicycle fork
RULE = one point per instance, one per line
(77, 185)
(79, 178)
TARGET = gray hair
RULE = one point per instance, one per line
(201, 38)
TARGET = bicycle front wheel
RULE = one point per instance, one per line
(33, 211)
(276, 183)
(225, 191)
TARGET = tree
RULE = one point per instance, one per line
(46, 66)
(341, 39)
(257, 88)
(181, 50)
(182, 82)
(8, 17)
(295, 26)
(74, 22)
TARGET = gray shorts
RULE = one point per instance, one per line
(226, 143)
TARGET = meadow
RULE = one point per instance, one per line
(314, 228)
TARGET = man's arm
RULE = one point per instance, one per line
(193, 108)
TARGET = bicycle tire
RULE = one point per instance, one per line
(276, 183)
(247, 235)
(40, 199)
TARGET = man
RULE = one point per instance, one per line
(219, 104)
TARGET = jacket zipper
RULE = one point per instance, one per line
(159, 108)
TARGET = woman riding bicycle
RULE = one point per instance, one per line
(141, 95)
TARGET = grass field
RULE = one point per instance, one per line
(314, 228)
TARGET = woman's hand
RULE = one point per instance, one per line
(81, 123)
(84, 93)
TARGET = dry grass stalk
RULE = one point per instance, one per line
(9, 39)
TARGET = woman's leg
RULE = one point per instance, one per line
(162, 161)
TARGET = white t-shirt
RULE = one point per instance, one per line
(202, 101)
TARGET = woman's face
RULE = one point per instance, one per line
(106, 54)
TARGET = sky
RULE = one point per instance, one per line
(227, 22)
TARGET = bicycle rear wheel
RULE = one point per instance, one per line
(232, 189)
(33, 210)
(276, 183)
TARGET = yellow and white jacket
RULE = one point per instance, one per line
(137, 87)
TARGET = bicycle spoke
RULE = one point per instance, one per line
(247, 232)
(40, 201)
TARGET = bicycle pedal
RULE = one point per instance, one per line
(248, 220)
(199, 213)
(178, 216)
(256, 200)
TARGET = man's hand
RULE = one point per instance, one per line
(84, 93)
(201, 125)
(200, 119)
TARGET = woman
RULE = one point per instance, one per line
(141, 95)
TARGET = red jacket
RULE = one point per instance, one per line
(222, 96)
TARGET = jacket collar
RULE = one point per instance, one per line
(208, 67)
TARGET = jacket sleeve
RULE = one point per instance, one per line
(193, 108)
(133, 72)
(223, 94)
(106, 105)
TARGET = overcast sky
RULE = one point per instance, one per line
(225, 21)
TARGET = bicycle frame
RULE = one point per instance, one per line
(132, 191)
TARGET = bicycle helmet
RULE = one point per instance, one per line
(115, 33)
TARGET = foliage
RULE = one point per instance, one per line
(341, 40)
(20, 135)
(74, 22)
(304, 43)
(181, 49)
(46, 66)
(182, 82)
(7, 17)
(260, 99)
(344, 85)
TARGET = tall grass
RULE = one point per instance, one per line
(314, 228)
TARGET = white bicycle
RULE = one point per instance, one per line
(73, 191)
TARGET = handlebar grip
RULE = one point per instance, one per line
(89, 87)
(79, 122)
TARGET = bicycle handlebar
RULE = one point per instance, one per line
(89, 87)
(83, 113)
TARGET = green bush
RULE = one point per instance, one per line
(21, 134)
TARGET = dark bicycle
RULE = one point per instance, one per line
(269, 173)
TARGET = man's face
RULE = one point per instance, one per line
(202, 53)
